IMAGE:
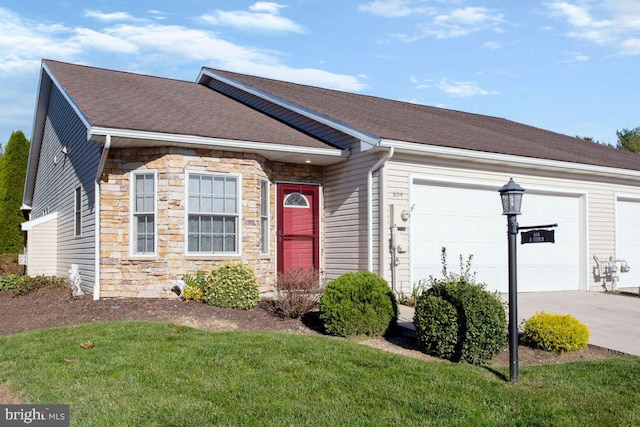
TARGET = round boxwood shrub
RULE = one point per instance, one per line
(480, 320)
(359, 303)
(555, 332)
(436, 323)
(232, 285)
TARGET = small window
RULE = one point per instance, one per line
(296, 200)
(78, 212)
(144, 213)
(264, 217)
(213, 214)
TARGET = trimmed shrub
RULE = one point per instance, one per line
(232, 286)
(480, 319)
(359, 303)
(555, 332)
(436, 323)
(297, 292)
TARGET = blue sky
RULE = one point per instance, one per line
(568, 66)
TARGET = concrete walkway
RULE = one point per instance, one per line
(614, 320)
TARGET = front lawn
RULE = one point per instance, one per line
(145, 374)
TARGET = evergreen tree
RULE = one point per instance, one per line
(629, 139)
(13, 167)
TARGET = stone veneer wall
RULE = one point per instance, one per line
(123, 275)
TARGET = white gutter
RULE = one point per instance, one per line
(103, 160)
(510, 159)
(370, 172)
(215, 142)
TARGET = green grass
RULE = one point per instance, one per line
(149, 374)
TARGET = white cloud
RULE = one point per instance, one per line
(394, 8)
(24, 43)
(463, 89)
(109, 17)
(262, 16)
(267, 7)
(630, 46)
(455, 23)
(492, 45)
(88, 39)
(157, 14)
(462, 22)
(611, 23)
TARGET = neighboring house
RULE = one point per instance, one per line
(140, 180)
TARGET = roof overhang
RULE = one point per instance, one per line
(124, 138)
(508, 160)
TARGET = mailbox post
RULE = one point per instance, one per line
(511, 195)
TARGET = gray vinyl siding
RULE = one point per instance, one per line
(57, 178)
(346, 215)
(292, 118)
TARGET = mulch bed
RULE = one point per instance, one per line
(49, 308)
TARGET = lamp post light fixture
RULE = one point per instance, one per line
(511, 195)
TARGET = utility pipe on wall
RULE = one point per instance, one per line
(370, 173)
(103, 160)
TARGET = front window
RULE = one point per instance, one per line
(77, 212)
(144, 216)
(264, 217)
(213, 211)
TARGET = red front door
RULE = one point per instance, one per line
(298, 227)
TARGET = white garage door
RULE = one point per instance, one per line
(628, 240)
(470, 221)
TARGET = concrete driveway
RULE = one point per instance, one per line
(614, 320)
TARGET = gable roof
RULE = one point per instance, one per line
(421, 125)
(128, 101)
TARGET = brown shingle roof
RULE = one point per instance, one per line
(122, 100)
(422, 124)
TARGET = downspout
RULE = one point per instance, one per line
(103, 160)
(370, 172)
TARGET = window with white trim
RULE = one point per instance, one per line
(264, 217)
(213, 214)
(77, 212)
(144, 213)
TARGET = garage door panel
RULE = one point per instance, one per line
(472, 224)
(628, 240)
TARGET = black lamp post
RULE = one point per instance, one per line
(511, 194)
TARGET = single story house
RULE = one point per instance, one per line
(140, 180)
